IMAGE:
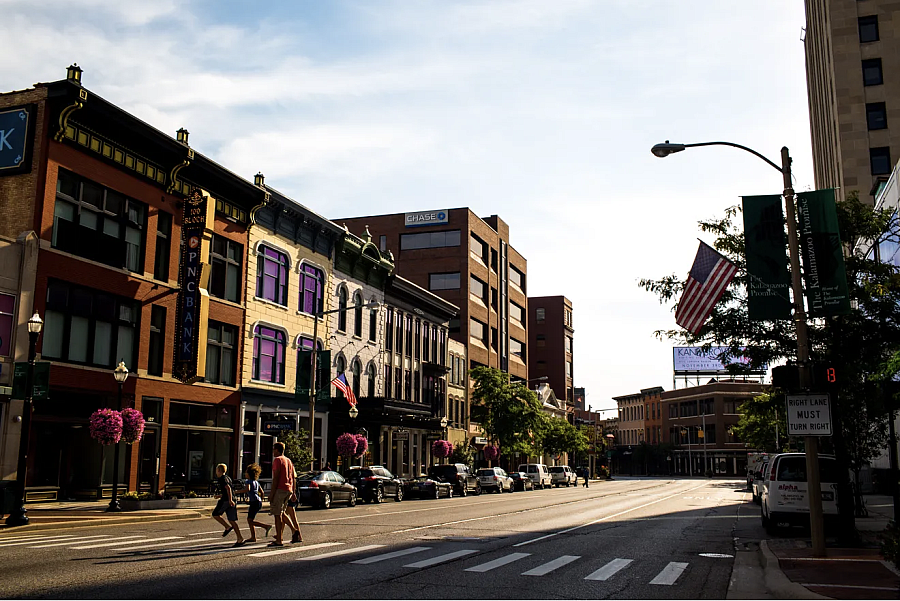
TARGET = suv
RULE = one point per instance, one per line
(495, 477)
(538, 474)
(757, 482)
(457, 474)
(784, 497)
(562, 475)
(374, 483)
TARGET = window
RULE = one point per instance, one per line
(688, 409)
(382, 243)
(89, 327)
(495, 338)
(443, 281)
(707, 407)
(98, 223)
(426, 346)
(342, 309)
(732, 406)
(272, 275)
(389, 331)
(357, 314)
(387, 382)
(880, 160)
(517, 348)
(418, 338)
(478, 248)
(494, 299)
(540, 315)
(872, 73)
(311, 286)
(225, 257)
(517, 312)
(478, 331)
(268, 355)
(340, 366)
(356, 371)
(373, 325)
(442, 359)
(398, 382)
(568, 318)
(220, 353)
(868, 29)
(479, 289)
(568, 369)
(709, 435)
(407, 385)
(399, 333)
(876, 115)
(494, 260)
(517, 278)
(569, 344)
(541, 340)
(370, 381)
(429, 240)
(163, 246)
(157, 340)
(673, 411)
(408, 327)
(7, 318)
(454, 325)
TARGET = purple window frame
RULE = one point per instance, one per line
(268, 355)
(311, 286)
(272, 275)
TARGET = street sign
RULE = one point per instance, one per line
(808, 415)
(273, 426)
(401, 435)
(41, 384)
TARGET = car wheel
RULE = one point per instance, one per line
(450, 493)
(378, 497)
(326, 501)
(477, 489)
(437, 492)
(351, 502)
(399, 496)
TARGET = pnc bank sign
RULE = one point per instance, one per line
(193, 301)
(422, 218)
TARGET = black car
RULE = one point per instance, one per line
(374, 483)
(521, 481)
(322, 488)
(457, 474)
(427, 488)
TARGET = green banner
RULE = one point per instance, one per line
(823, 254)
(40, 385)
(768, 280)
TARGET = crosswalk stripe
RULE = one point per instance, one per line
(338, 553)
(71, 541)
(233, 548)
(391, 555)
(670, 573)
(8, 539)
(118, 540)
(425, 563)
(551, 565)
(195, 546)
(198, 542)
(282, 551)
(502, 561)
(31, 542)
(609, 570)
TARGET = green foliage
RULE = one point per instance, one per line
(559, 436)
(509, 412)
(757, 422)
(463, 453)
(890, 543)
(296, 448)
(136, 496)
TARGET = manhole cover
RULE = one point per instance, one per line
(716, 555)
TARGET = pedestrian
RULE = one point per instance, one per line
(282, 492)
(327, 466)
(226, 505)
(585, 473)
(255, 494)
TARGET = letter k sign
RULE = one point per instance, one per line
(4, 134)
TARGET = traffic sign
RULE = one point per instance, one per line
(40, 384)
(808, 415)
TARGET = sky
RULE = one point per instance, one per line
(542, 112)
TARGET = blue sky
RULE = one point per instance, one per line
(541, 112)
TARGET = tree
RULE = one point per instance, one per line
(463, 453)
(296, 448)
(509, 412)
(757, 424)
(561, 437)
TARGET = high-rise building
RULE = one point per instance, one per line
(550, 336)
(853, 83)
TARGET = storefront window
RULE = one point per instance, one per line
(200, 437)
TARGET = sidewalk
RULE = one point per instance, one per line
(845, 573)
(47, 516)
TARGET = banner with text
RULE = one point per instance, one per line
(192, 309)
(766, 251)
(823, 255)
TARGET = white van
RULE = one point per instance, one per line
(784, 497)
(537, 473)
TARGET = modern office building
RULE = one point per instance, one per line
(550, 337)
(853, 85)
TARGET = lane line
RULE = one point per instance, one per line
(609, 517)
(551, 565)
(391, 555)
(670, 573)
(609, 570)
(499, 562)
(339, 553)
(282, 551)
(122, 542)
(72, 541)
(427, 563)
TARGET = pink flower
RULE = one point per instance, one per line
(362, 445)
(441, 448)
(491, 452)
(106, 426)
(132, 425)
(346, 444)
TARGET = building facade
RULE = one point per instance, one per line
(631, 419)
(551, 338)
(852, 66)
(458, 395)
(652, 414)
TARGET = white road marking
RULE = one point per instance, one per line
(551, 565)
(338, 553)
(9, 539)
(502, 561)
(48, 539)
(609, 570)
(199, 542)
(425, 563)
(670, 573)
(391, 555)
(282, 550)
(120, 542)
(72, 541)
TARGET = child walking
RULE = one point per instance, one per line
(226, 505)
(255, 493)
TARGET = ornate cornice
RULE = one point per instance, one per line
(64, 115)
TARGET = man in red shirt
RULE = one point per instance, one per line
(282, 491)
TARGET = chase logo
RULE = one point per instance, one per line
(425, 218)
(14, 126)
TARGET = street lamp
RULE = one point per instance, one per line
(353, 412)
(444, 428)
(20, 516)
(812, 449)
(120, 373)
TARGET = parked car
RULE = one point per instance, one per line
(322, 488)
(562, 475)
(521, 481)
(495, 478)
(374, 483)
(459, 475)
(756, 483)
(754, 464)
(538, 473)
(428, 488)
(785, 498)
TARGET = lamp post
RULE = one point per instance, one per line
(121, 374)
(20, 516)
(812, 444)
(354, 412)
(444, 423)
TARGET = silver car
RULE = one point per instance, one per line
(494, 478)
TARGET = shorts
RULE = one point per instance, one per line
(223, 507)
(254, 508)
(278, 501)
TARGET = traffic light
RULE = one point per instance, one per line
(824, 376)
(786, 376)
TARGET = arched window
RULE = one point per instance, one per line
(357, 314)
(340, 365)
(312, 280)
(268, 355)
(342, 309)
(272, 275)
(356, 369)
(373, 324)
(370, 376)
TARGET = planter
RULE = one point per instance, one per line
(130, 505)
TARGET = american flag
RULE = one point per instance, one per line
(340, 383)
(710, 275)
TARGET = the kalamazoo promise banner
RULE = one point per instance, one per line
(193, 303)
(768, 280)
(823, 254)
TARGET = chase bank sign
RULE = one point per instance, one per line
(422, 218)
(16, 133)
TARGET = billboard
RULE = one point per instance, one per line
(693, 359)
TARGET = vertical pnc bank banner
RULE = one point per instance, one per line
(768, 281)
(192, 311)
(823, 255)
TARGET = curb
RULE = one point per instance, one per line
(95, 522)
(779, 584)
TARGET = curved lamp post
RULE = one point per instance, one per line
(120, 373)
(812, 449)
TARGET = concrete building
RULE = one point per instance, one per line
(853, 82)
(631, 420)
(550, 337)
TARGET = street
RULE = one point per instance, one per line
(627, 538)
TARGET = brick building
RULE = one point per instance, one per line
(551, 340)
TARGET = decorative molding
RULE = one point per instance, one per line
(64, 115)
(267, 198)
(117, 153)
(174, 184)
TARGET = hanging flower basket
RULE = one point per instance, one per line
(362, 445)
(441, 448)
(346, 444)
(132, 425)
(106, 426)
(491, 453)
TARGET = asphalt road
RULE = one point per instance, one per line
(628, 538)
